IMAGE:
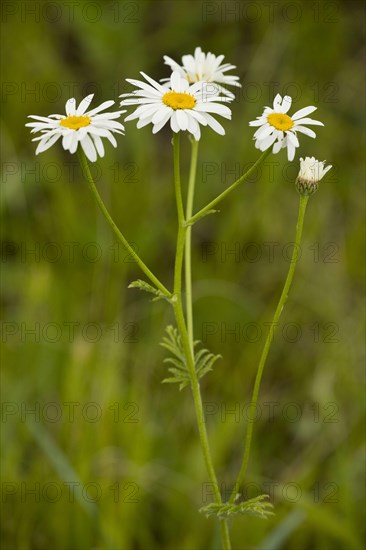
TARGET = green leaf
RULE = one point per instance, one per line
(204, 360)
(146, 287)
(258, 506)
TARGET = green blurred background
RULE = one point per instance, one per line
(109, 458)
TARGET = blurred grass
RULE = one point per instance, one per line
(316, 52)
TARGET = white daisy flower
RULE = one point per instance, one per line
(185, 106)
(78, 125)
(205, 67)
(279, 129)
(310, 173)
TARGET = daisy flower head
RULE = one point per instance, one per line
(184, 106)
(310, 173)
(78, 126)
(279, 129)
(205, 67)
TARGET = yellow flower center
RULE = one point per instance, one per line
(177, 100)
(280, 121)
(75, 122)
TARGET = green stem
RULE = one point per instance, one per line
(179, 316)
(187, 257)
(233, 186)
(267, 345)
(181, 222)
(94, 190)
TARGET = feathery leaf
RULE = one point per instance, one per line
(203, 359)
(258, 506)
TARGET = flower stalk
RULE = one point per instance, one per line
(205, 210)
(282, 301)
(187, 258)
(187, 346)
(115, 229)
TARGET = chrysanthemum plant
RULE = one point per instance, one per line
(192, 97)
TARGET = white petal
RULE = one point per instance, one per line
(67, 139)
(277, 147)
(84, 104)
(194, 128)
(304, 130)
(158, 126)
(110, 124)
(268, 141)
(156, 85)
(82, 132)
(70, 106)
(140, 102)
(219, 99)
(200, 117)
(161, 114)
(169, 61)
(47, 143)
(222, 110)
(144, 94)
(303, 112)
(38, 126)
(182, 119)
(184, 85)
(99, 145)
(101, 107)
(290, 150)
(286, 104)
(150, 111)
(74, 143)
(144, 86)
(174, 123)
(103, 132)
(144, 122)
(42, 118)
(259, 122)
(139, 111)
(193, 125)
(89, 149)
(277, 102)
(112, 139)
(302, 121)
(108, 116)
(264, 131)
(175, 80)
(293, 139)
(212, 122)
(197, 87)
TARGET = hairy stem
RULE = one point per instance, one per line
(267, 345)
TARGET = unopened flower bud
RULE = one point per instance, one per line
(310, 174)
